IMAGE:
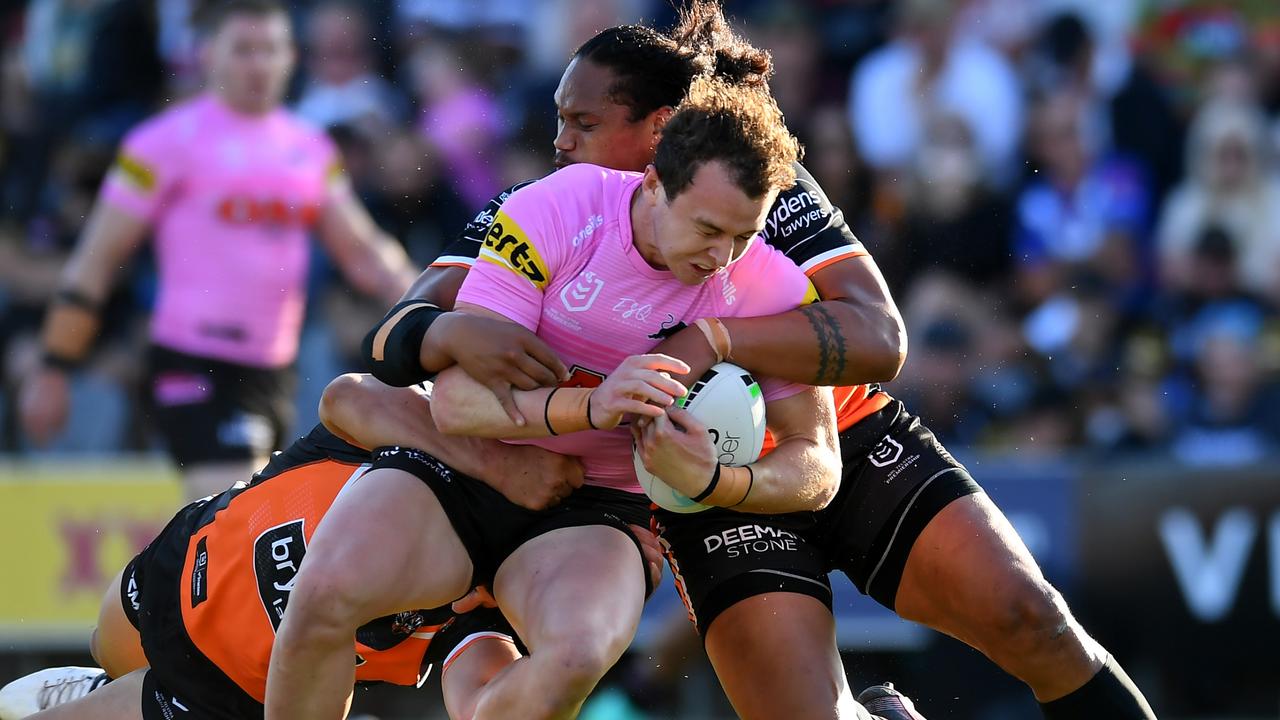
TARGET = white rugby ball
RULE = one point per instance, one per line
(730, 403)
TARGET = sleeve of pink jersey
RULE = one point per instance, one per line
(771, 284)
(337, 185)
(145, 169)
(523, 247)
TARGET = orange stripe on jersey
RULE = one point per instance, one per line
(464, 266)
(853, 403)
(825, 263)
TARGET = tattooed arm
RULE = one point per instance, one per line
(854, 336)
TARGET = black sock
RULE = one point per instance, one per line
(1109, 695)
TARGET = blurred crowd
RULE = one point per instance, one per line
(1076, 203)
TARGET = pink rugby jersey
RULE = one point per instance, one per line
(230, 199)
(559, 260)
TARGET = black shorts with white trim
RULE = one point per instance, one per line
(896, 478)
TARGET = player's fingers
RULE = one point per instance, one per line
(643, 391)
(639, 407)
(547, 358)
(684, 420)
(663, 382)
(658, 361)
(502, 391)
(537, 371)
(514, 374)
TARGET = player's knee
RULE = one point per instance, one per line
(344, 393)
(1031, 620)
(578, 664)
(95, 649)
(326, 599)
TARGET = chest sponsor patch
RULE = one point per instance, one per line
(277, 556)
(508, 245)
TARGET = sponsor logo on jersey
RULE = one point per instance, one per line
(277, 557)
(581, 294)
(245, 210)
(795, 209)
(508, 245)
(200, 574)
(590, 229)
(137, 173)
(886, 452)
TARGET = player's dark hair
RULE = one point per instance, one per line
(210, 15)
(738, 125)
(720, 52)
(652, 70)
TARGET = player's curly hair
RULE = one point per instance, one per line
(718, 51)
(653, 70)
(738, 125)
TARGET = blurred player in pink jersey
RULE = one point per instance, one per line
(230, 185)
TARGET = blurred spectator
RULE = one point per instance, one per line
(788, 31)
(833, 161)
(413, 201)
(460, 116)
(342, 87)
(1084, 213)
(953, 221)
(928, 69)
(1131, 109)
(1229, 185)
(1229, 411)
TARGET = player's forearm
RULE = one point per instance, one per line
(380, 268)
(72, 321)
(462, 406)
(367, 413)
(801, 474)
(833, 342)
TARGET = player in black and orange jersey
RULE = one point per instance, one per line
(909, 526)
(186, 628)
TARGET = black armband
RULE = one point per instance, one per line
(392, 349)
(73, 297)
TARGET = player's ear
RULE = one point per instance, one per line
(658, 119)
(652, 183)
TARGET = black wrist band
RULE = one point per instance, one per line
(751, 482)
(589, 420)
(72, 296)
(711, 486)
(546, 412)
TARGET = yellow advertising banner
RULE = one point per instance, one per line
(65, 531)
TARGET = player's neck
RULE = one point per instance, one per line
(246, 110)
(643, 235)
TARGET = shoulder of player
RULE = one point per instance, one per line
(577, 179)
(174, 124)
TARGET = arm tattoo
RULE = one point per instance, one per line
(831, 342)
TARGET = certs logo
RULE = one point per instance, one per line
(508, 245)
(277, 556)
